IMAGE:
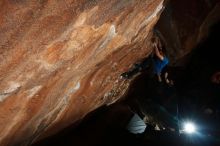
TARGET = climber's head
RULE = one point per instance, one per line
(156, 41)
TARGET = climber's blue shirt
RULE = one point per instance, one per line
(159, 64)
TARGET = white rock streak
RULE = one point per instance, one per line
(13, 86)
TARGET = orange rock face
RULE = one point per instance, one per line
(62, 59)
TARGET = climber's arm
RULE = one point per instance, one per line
(158, 54)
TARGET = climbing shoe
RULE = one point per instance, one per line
(126, 75)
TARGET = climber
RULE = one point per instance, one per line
(154, 64)
(160, 61)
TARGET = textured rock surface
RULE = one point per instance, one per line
(62, 59)
(185, 23)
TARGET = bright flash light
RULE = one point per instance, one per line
(189, 127)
